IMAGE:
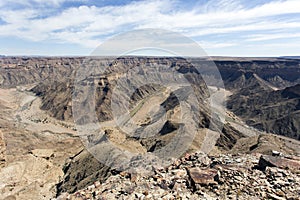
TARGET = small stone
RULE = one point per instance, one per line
(176, 163)
(280, 193)
(124, 174)
(133, 177)
(139, 196)
(91, 187)
(97, 184)
(187, 156)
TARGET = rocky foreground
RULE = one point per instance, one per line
(198, 176)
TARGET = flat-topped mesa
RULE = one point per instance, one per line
(24, 70)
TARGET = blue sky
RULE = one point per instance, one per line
(220, 27)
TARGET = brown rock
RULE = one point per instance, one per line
(124, 174)
(145, 193)
(280, 162)
(280, 193)
(203, 176)
(133, 177)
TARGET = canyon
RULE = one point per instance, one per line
(48, 148)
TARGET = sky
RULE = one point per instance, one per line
(221, 27)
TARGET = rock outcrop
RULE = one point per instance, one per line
(197, 176)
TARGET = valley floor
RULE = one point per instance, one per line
(33, 147)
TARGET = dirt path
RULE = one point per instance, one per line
(34, 119)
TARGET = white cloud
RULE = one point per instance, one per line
(255, 26)
(78, 25)
(264, 37)
(213, 45)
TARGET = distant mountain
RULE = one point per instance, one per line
(291, 57)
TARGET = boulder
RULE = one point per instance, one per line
(280, 162)
(203, 176)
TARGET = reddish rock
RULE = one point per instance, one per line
(124, 174)
(280, 162)
(203, 176)
(133, 177)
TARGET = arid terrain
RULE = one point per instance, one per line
(241, 140)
